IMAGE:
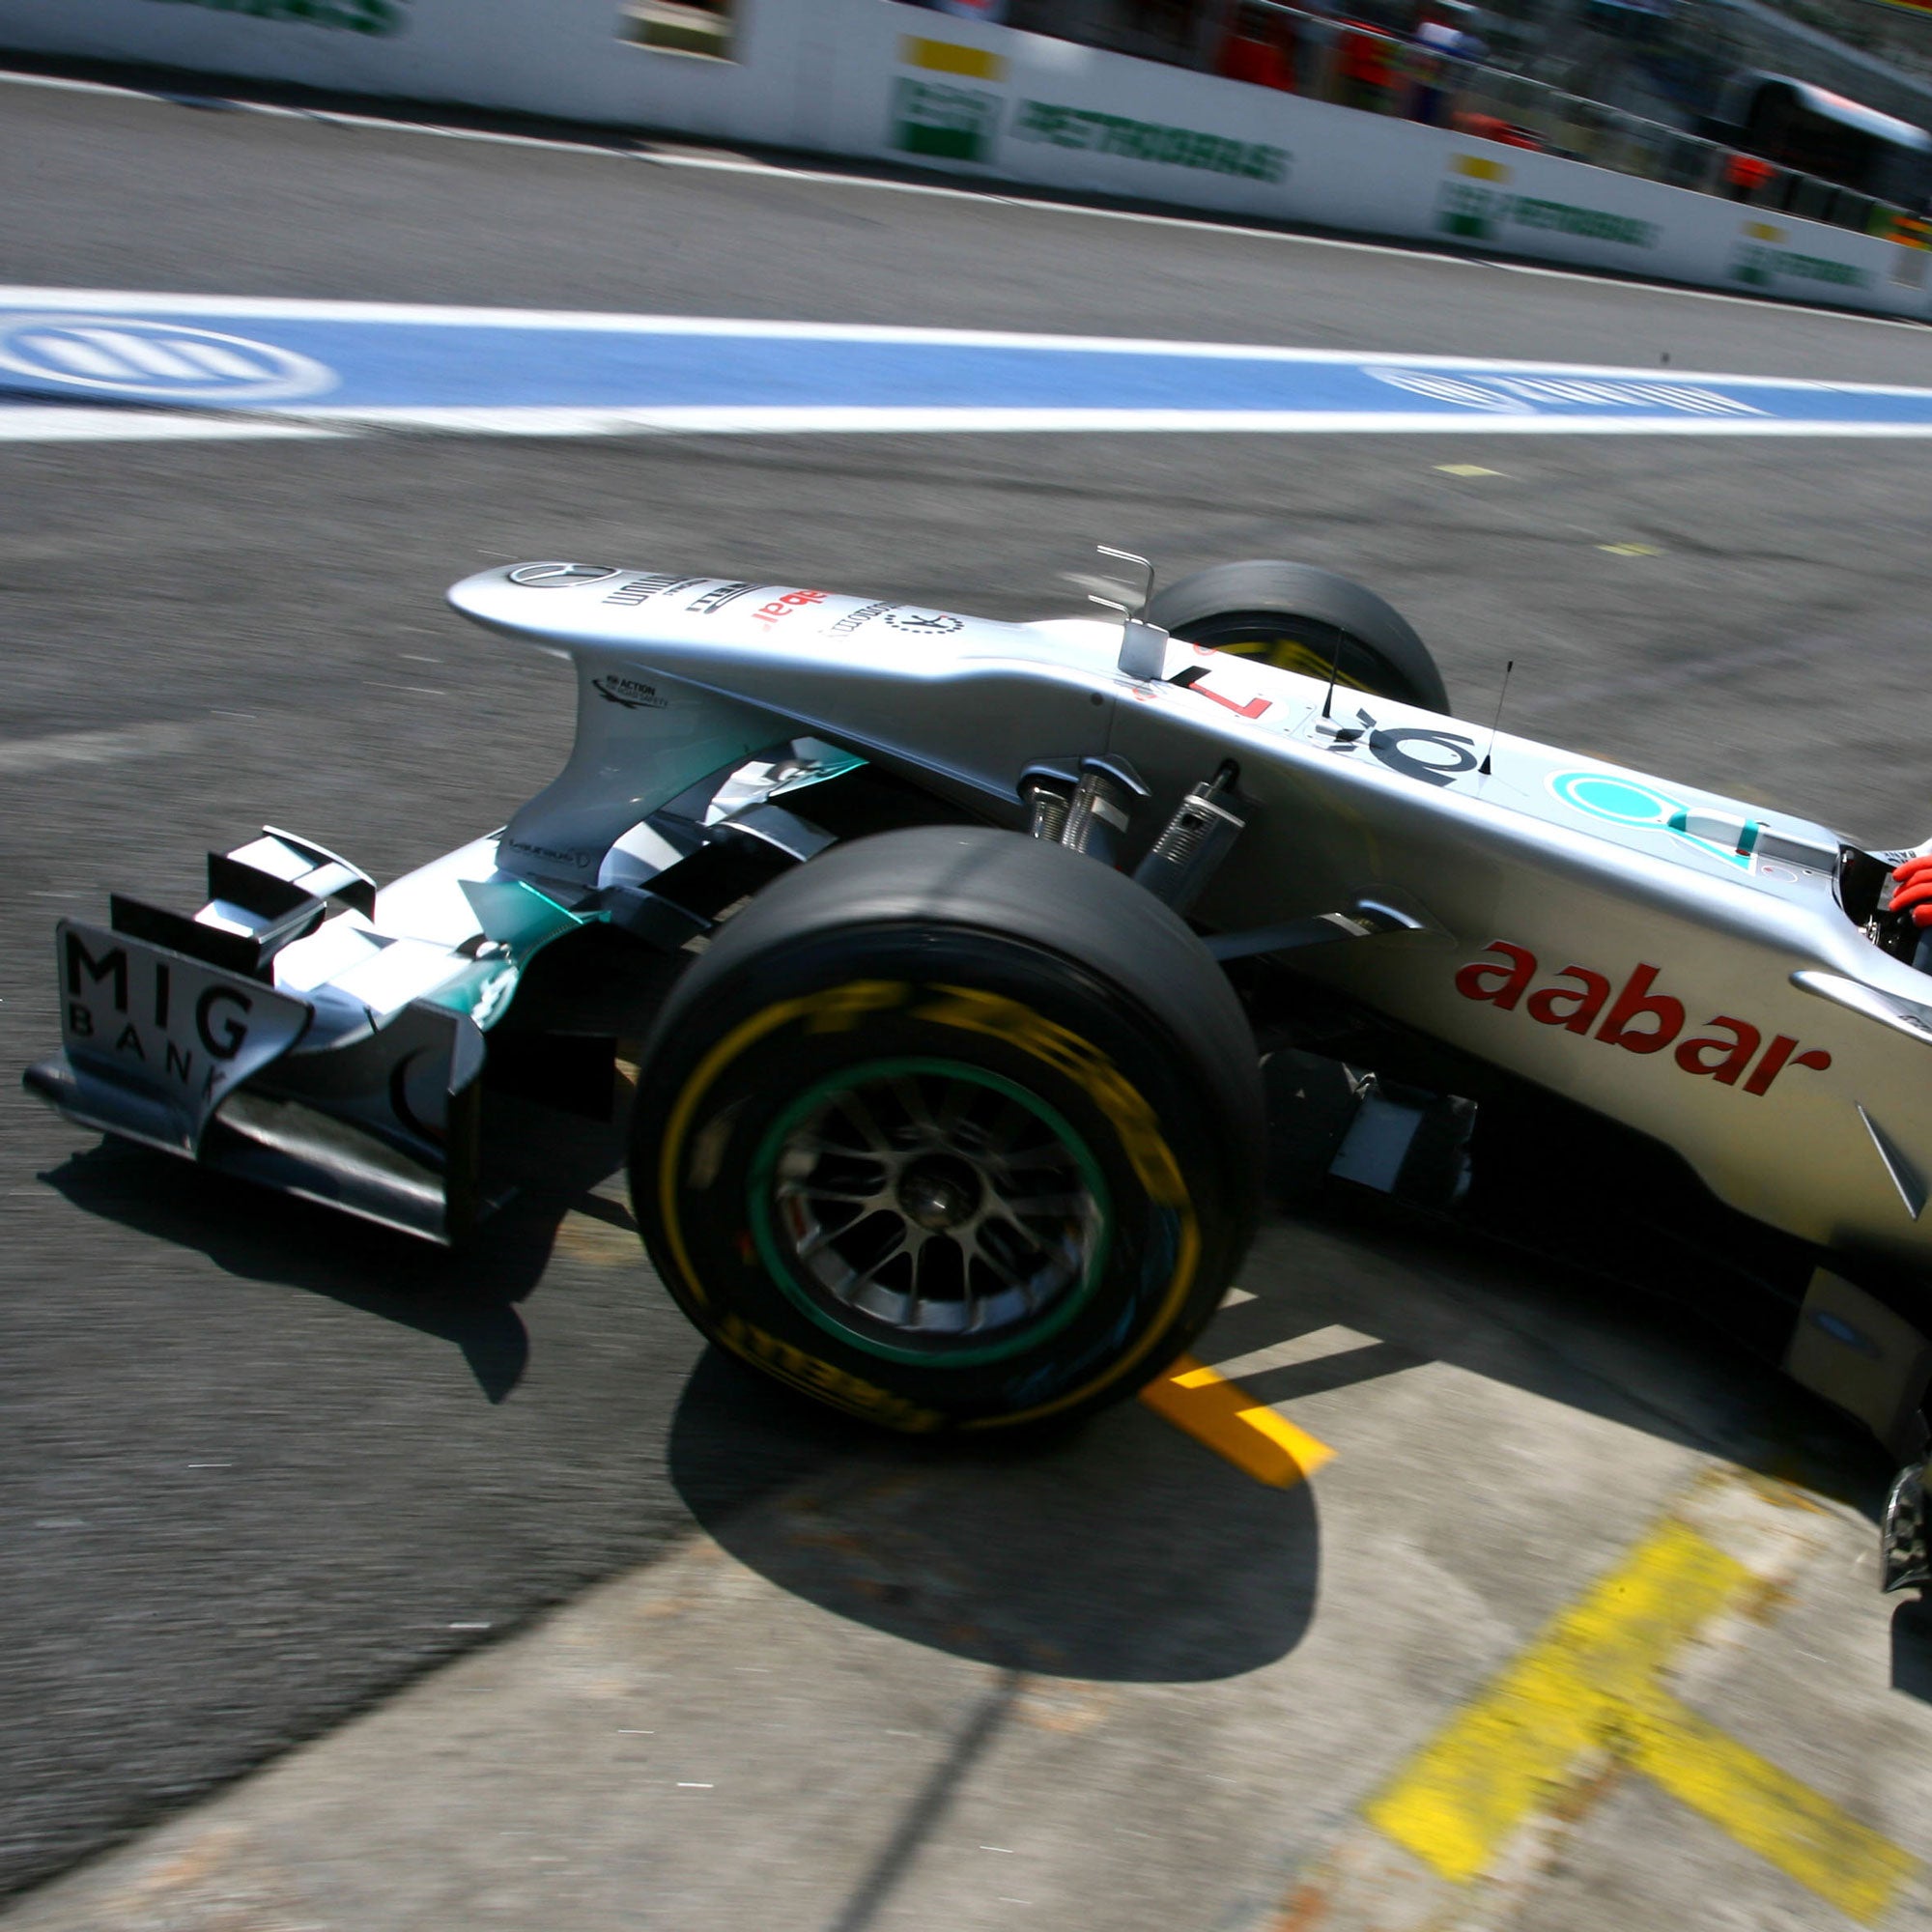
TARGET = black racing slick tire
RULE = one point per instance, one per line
(950, 1130)
(1304, 619)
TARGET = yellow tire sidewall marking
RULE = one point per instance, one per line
(839, 1007)
(1145, 1147)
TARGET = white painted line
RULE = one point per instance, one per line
(827, 178)
(29, 424)
(60, 83)
(34, 425)
(850, 421)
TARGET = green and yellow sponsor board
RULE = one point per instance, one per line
(1487, 214)
(1762, 259)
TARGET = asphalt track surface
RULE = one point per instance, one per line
(262, 1466)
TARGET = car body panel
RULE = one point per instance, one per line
(1560, 913)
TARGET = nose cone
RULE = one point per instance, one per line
(530, 599)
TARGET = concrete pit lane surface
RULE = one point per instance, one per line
(355, 1585)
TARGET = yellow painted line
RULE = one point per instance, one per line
(945, 57)
(1231, 1423)
(1480, 167)
(1587, 1685)
(1631, 550)
(1766, 1809)
(1466, 469)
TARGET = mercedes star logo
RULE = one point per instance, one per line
(560, 576)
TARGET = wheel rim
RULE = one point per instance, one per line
(928, 1210)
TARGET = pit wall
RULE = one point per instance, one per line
(884, 81)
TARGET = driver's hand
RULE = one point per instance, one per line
(1912, 892)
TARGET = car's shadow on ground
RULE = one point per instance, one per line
(1415, 1289)
(1116, 1550)
(1119, 1550)
(1122, 1549)
(465, 1296)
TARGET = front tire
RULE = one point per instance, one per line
(1305, 619)
(950, 1130)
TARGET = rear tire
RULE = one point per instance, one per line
(950, 1130)
(1304, 620)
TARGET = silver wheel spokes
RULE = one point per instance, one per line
(936, 1206)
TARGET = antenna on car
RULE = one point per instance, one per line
(1485, 770)
(1334, 666)
(1143, 645)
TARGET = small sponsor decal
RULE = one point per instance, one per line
(924, 623)
(1629, 802)
(714, 600)
(1416, 752)
(1576, 999)
(1148, 141)
(641, 589)
(561, 575)
(854, 619)
(633, 692)
(788, 604)
(1194, 679)
(576, 861)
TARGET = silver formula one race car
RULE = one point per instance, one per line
(955, 949)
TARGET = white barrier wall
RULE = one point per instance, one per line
(875, 78)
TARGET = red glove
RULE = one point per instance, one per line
(1914, 891)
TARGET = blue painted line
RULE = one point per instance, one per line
(325, 362)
